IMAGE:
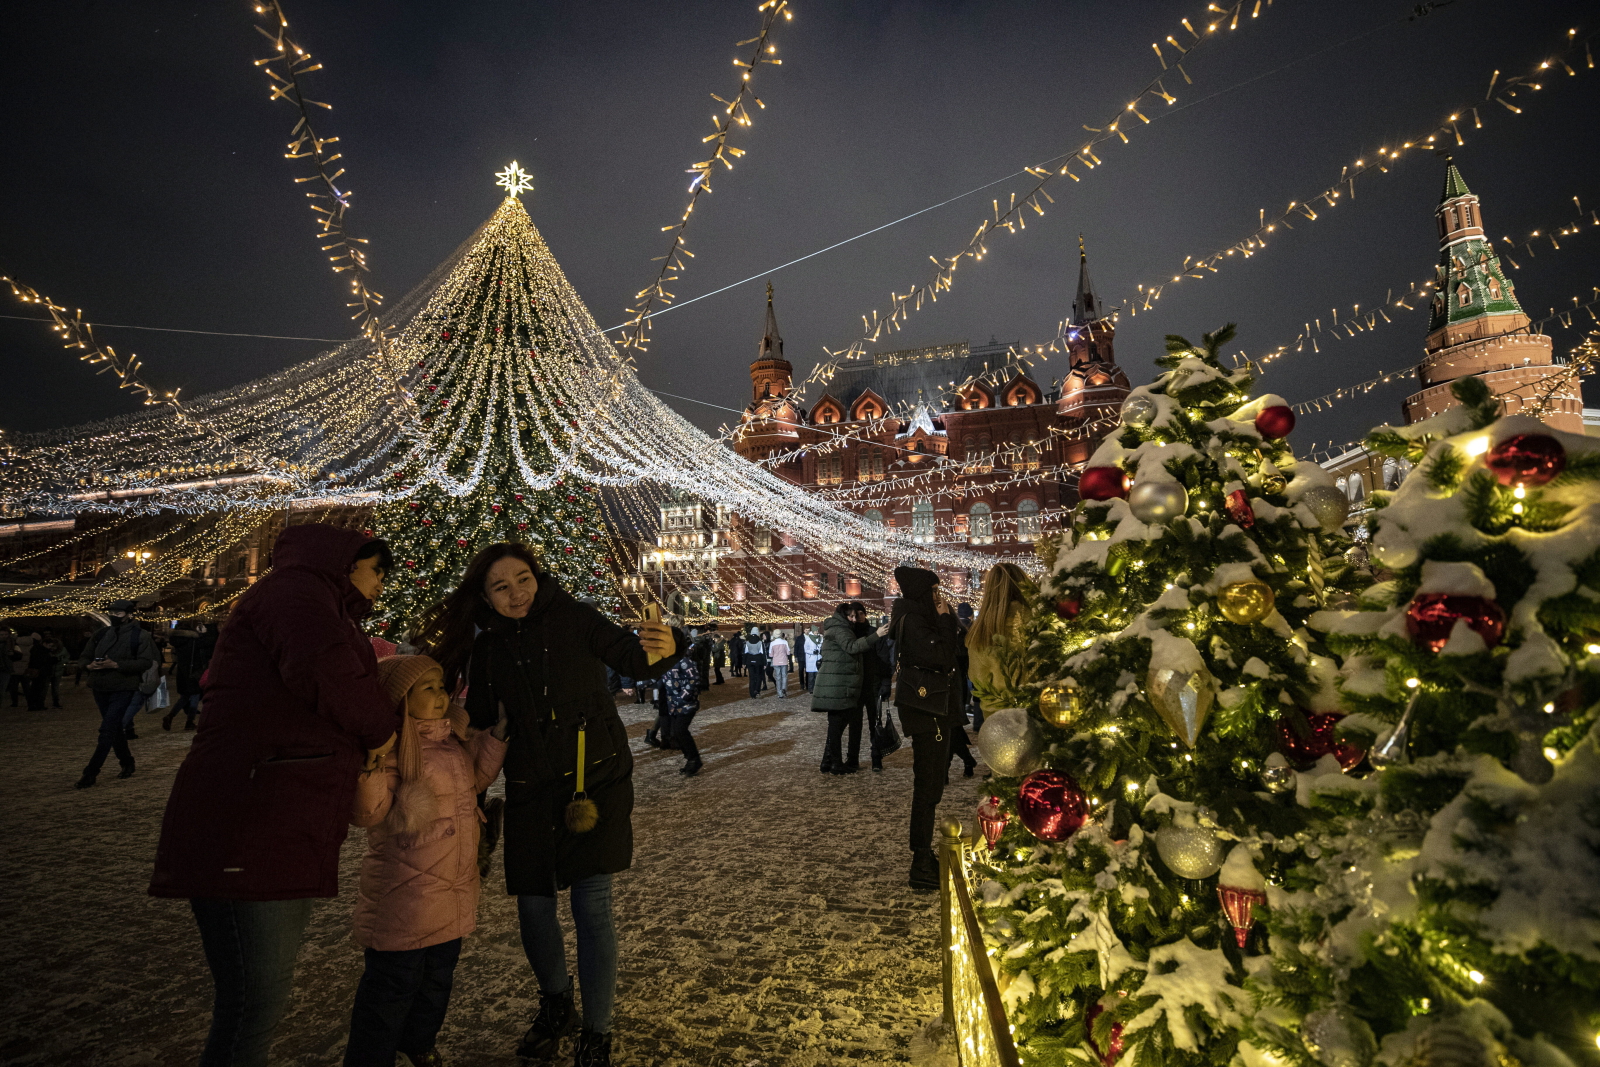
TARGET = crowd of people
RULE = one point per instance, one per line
(306, 726)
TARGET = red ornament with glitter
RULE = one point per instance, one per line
(1527, 459)
(1051, 805)
(1236, 905)
(1239, 509)
(1103, 483)
(1430, 617)
(1275, 422)
(1303, 751)
(1069, 608)
(993, 819)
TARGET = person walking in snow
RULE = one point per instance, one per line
(778, 654)
(755, 661)
(116, 658)
(682, 700)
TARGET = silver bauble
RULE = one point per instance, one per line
(1278, 779)
(1009, 743)
(1446, 1044)
(1337, 1038)
(1189, 851)
(1328, 505)
(1357, 556)
(1158, 501)
(1139, 410)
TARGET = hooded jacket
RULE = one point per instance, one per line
(419, 883)
(261, 803)
(841, 673)
(549, 670)
(924, 638)
(130, 645)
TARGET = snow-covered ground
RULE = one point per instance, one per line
(765, 920)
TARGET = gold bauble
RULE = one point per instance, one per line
(1245, 602)
(1061, 706)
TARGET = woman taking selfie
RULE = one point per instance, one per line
(524, 643)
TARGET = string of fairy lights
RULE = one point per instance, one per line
(1387, 157)
(734, 112)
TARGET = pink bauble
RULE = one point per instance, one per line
(1114, 1046)
(992, 818)
(1051, 805)
(1527, 459)
(1431, 616)
(1103, 483)
(1275, 422)
(1304, 752)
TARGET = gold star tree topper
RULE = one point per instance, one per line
(514, 180)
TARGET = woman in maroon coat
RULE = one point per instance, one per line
(261, 803)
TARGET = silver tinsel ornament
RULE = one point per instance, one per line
(1328, 505)
(1337, 1038)
(1190, 851)
(1009, 742)
(1158, 501)
(1139, 410)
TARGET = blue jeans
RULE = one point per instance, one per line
(757, 666)
(400, 1004)
(114, 705)
(782, 679)
(251, 946)
(139, 700)
(546, 947)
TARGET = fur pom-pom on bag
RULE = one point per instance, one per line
(582, 813)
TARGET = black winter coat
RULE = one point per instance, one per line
(927, 639)
(841, 675)
(549, 669)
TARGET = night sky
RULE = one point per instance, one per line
(146, 184)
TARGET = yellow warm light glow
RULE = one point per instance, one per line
(1477, 446)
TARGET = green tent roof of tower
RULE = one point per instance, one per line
(1454, 184)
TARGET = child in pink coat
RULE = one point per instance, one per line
(419, 879)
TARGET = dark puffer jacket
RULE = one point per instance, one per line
(261, 803)
(126, 642)
(927, 639)
(841, 674)
(549, 669)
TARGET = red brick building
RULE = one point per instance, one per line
(959, 444)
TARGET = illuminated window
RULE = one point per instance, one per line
(980, 524)
(922, 522)
(1495, 289)
(869, 465)
(830, 469)
(1028, 519)
(1464, 294)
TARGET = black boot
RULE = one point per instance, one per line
(967, 769)
(85, 782)
(924, 871)
(650, 739)
(126, 772)
(556, 1019)
(166, 720)
(594, 1050)
(130, 735)
(691, 768)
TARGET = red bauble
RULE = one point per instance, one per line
(572, 499)
(1103, 483)
(1051, 805)
(444, 403)
(522, 526)
(433, 388)
(495, 508)
(573, 423)
(1239, 509)
(413, 504)
(461, 542)
(1068, 609)
(1113, 1047)
(1527, 459)
(1275, 422)
(444, 335)
(517, 496)
(411, 563)
(1431, 616)
(1236, 905)
(422, 583)
(567, 549)
(992, 818)
(1304, 752)
(427, 522)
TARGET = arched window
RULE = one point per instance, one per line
(922, 522)
(1356, 491)
(1027, 519)
(874, 516)
(980, 524)
(1464, 294)
(1495, 289)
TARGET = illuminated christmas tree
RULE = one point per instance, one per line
(488, 359)
(1172, 634)
(1214, 841)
